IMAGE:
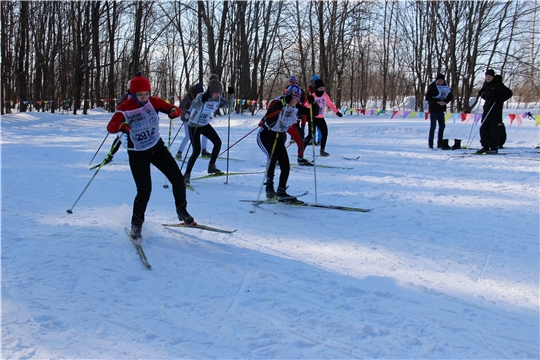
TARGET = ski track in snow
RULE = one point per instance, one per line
(445, 266)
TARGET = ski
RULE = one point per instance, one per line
(334, 167)
(335, 207)
(222, 158)
(274, 199)
(189, 187)
(482, 154)
(322, 166)
(139, 248)
(198, 226)
(225, 174)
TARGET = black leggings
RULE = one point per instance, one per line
(161, 158)
(195, 135)
(323, 128)
(266, 139)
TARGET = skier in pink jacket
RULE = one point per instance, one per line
(323, 100)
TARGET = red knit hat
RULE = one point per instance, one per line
(139, 83)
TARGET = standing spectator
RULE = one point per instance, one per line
(137, 116)
(438, 95)
(204, 105)
(281, 114)
(323, 100)
(495, 93)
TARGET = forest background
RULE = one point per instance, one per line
(81, 54)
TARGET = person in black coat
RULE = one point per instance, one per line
(495, 93)
(438, 95)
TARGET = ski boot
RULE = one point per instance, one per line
(136, 230)
(184, 216)
(205, 153)
(286, 198)
(212, 169)
(304, 162)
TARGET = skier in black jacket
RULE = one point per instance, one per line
(495, 93)
(281, 114)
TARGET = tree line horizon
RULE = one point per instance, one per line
(363, 50)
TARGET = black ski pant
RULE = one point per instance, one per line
(323, 128)
(436, 118)
(269, 140)
(161, 158)
(489, 134)
(195, 135)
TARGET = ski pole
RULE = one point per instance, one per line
(482, 122)
(191, 137)
(166, 185)
(312, 127)
(180, 128)
(70, 210)
(99, 148)
(228, 139)
(242, 138)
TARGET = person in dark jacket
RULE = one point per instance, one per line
(438, 95)
(137, 117)
(495, 93)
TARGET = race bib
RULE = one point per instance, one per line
(144, 123)
(204, 115)
(321, 101)
(444, 90)
(287, 117)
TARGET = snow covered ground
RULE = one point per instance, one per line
(445, 266)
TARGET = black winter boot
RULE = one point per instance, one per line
(444, 145)
(457, 144)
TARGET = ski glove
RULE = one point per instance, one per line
(230, 90)
(124, 127)
(175, 112)
(339, 114)
(310, 99)
(205, 97)
(261, 123)
(288, 98)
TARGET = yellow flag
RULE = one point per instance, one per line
(537, 121)
(413, 114)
